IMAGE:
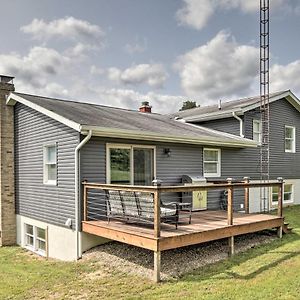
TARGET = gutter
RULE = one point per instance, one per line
(77, 197)
(228, 139)
(213, 116)
(241, 124)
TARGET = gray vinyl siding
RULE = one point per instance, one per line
(184, 159)
(286, 165)
(238, 163)
(231, 125)
(51, 204)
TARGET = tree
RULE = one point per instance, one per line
(188, 105)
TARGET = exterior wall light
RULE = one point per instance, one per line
(167, 151)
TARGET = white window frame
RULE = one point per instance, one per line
(275, 203)
(131, 147)
(34, 247)
(258, 133)
(293, 139)
(218, 174)
(26, 234)
(46, 163)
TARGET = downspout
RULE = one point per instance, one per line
(77, 196)
(241, 123)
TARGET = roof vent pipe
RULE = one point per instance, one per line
(220, 104)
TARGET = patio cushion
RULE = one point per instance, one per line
(167, 212)
(146, 205)
(129, 204)
(114, 205)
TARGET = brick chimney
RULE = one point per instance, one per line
(145, 107)
(7, 180)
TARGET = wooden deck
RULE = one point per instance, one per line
(206, 226)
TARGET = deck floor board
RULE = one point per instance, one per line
(206, 225)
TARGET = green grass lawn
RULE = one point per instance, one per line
(270, 271)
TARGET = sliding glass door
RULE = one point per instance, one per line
(120, 166)
(143, 166)
(129, 164)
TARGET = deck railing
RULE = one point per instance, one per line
(96, 195)
(100, 200)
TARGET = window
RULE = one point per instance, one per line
(211, 162)
(129, 164)
(290, 137)
(257, 130)
(29, 236)
(287, 194)
(40, 239)
(50, 168)
(35, 239)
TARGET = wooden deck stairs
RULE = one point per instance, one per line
(286, 229)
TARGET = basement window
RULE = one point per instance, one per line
(35, 239)
(288, 194)
(211, 162)
(257, 130)
(50, 165)
(29, 236)
(290, 139)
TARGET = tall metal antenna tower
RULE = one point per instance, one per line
(264, 101)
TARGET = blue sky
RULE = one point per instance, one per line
(122, 52)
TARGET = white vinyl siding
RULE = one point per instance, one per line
(50, 165)
(257, 131)
(290, 139)
(211, 162)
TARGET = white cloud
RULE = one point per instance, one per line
(153, 75)
(39, 63)
(128, 98)
(197, 13)
(96, 70)
(44, 71)
(36, 71)
(219, 68)
(284, 77)
(136, 47)
(68, 28)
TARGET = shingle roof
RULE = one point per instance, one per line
(226, 106)
(125, 120)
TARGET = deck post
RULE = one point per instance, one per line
(279, 211)
(246, 204)
(84, 201)
(157, 183)
(230, 215)
(157, 264)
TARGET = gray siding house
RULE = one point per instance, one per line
(242, 118)
(60, 143)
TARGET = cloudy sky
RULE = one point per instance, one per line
(122, 52)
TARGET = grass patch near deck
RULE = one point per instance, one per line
(270, 271)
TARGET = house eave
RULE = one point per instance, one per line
(148, 136)
(13, 99)
(288, 95)
(214, 116)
